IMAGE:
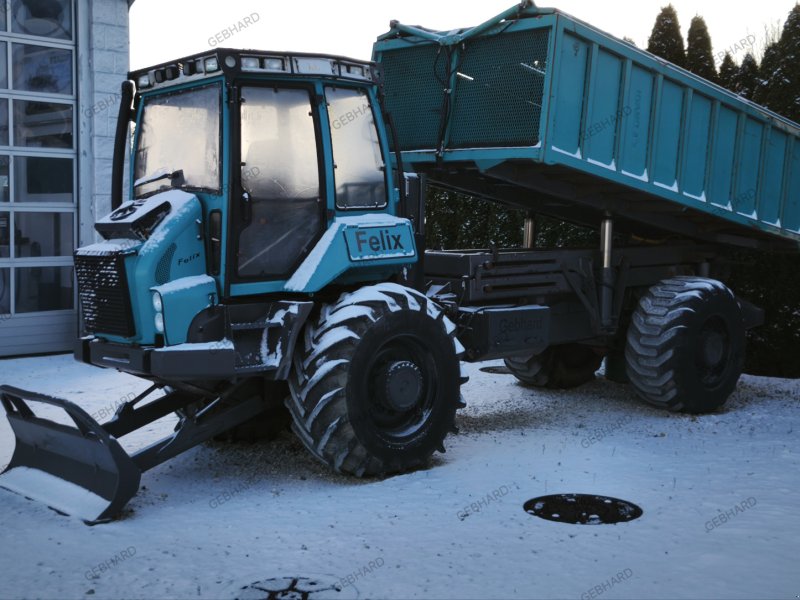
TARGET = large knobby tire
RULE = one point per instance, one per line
(559, 367)
(376, 381)
(686, 344)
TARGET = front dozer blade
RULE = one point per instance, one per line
(80, 470)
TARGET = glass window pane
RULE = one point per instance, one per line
(360, 179)
(3, 122)
(40, 179)
(180, 131)
(42, 124)
(279, 144)
(280, 171)
(3, 61)
(42, 234)
(4, 178)
(47, 18)
(5, 291)
(42, 69)
(5, 234)
(43, 288)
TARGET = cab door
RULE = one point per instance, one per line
(279, 208)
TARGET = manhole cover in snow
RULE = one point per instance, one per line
(496, 370)
(298, 588)
(583, 509)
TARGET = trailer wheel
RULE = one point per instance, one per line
(685, 347)
(376, 383)
(558, 367)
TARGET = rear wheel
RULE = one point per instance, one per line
(685, 347)
(376, 383)
(559, 367)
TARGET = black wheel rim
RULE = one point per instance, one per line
(713, 351)
(401, 386)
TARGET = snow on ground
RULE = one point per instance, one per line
(223, 516)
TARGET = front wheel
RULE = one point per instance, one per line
(376, 384)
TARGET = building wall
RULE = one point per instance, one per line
(105, 66)
(59, 98)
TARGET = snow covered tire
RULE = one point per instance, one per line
(686, 345)
(376, 381)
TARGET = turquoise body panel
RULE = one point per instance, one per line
(547, 89)
(183, 299)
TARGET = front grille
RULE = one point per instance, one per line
(104, 296)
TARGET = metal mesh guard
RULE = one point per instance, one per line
(498, 102)
(103, 292)
(413, 94)
(498, 97)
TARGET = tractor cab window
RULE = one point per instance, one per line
(178, 142)
(360, 169)
(281, 205)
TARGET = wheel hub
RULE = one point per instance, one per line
(713, 349)
(402, 384)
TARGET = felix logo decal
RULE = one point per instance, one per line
(186, 261)
(380, 242)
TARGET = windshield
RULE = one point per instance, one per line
(178, 144)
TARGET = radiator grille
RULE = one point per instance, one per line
(104, 296)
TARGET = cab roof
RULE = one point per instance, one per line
(234, 62)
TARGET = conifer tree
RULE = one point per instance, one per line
(747, 78)
(767, 74)
(784, 80)
(699, 56)
(728, 73)
(666, 40)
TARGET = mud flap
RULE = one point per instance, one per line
(92, 476)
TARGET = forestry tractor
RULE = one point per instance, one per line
(272, 251)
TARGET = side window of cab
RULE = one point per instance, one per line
(360, 169)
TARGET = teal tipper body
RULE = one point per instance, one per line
(542, 93)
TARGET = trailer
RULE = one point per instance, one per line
(272, 249)
(549, 114)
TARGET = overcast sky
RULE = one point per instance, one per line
(163, 30)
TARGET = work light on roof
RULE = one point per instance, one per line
(274, 64)
(250, 63)
(357, 70)
(211, 64)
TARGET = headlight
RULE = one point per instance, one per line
(143, 82)
(159, 322)
(158, 304)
